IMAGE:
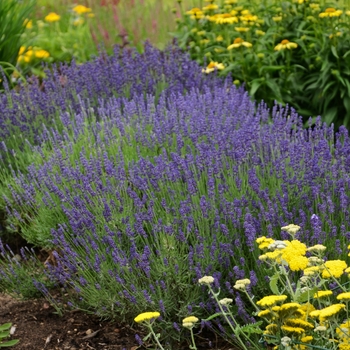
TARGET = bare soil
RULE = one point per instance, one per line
(39, 328)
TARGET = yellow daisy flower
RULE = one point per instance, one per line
(80, 9)
(52, 17)
(285, 44)
(238, 42)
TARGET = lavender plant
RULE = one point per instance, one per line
(140, 196)
(168, 192)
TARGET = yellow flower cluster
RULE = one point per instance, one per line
(327, 312)
(146, 316)
(291, 252)
(189, 322)
(334, 268)
(271, 300)
(291, 317)
(26, 55)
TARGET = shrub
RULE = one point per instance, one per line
(294, 52)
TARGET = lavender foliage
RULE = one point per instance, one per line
(143, 195)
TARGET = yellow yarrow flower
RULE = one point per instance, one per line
(298, 263)
(317, 248)
(238, 42)
(322, 294)
(292, 229)
(265, 313)
(343, 296)
(293, 330)
(206, 280)
(334, 268)
(285, 44)
(307, 339)
(272, 328)
(190, 319)
(80, 9)
(271, 300)
(52, 17)
(312, 270)
(306, 309)
(327, 312)
(298, 322)
(146, 316)
(244, 281)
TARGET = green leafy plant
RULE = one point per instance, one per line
(57, 38)
(295, 52)
(13, 16)
(4, 333)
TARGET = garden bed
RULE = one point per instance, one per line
(38, 327)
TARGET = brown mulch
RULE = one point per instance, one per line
(39, 328)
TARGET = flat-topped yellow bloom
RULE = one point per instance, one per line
(146, 316)
(327, 312)
(238, 42)
(344, 296)
(298, 322)
(330, 12)
(271, 300)
(322, 294)
(293, 330)
(52, 17)
(292, 229)
(286, 44)
(334, 268)
(264, 242)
